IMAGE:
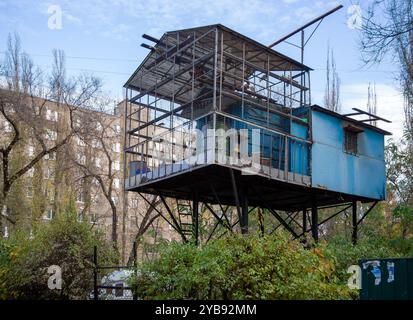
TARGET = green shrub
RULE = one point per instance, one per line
(64, 242)
(240, 267)
(344, 254)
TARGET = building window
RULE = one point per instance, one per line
(80, 142)
(6, 232)
(51, 197)
(49, 173)
(30, 151)
(96, 144)
(81, 158)
(115, 165)
(98, 163)
(116, 147)
(133, 221)
(49, 214)
(48, 194)
(80, 197)
(96, 182)
(30, 172)
(134, 203)
(50, 156)
(51, 135)
(7, 126)
(80, 216)
(94, 198)
(116, 127)
(29, 191)
(350, 141)
(93, 218)
(51, 115)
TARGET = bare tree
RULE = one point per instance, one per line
(144, 217)
(388, 31)
(98, 156)
(332, 93)
(372, 101)
(24, 95)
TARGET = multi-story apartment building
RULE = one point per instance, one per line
(88, 169)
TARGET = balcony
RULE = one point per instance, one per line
(221, 140)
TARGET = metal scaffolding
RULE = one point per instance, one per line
(195, 77)
(212, 77)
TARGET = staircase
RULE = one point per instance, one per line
(184, 209)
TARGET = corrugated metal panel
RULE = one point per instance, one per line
(334, 169)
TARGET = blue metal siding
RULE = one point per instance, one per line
(334, 169)
(299, 150)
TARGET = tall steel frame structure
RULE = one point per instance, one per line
(215, 78)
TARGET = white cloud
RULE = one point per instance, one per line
(264, 20)
(304, 13)
(118, 32)
(389, 104)
(72, 19)
(157, 16)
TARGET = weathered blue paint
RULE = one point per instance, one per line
(334, 169)
(298, 159)
(259, 116)
(298, 151)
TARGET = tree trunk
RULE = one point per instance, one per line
(3, 213)
(114, 227)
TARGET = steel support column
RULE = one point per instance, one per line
(236, 196)
(244, 211)
(314, 219)
(354, 223)
(304, 221)
(195, 218)
(304, 225)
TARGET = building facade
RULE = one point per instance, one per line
(87, 170)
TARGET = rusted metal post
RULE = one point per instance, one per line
(354, 223)
(304, 227)
(314, 219)
(244, 211)
(95, 274)
(135, 267)
(195, 218)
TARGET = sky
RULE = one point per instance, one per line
(103, 37)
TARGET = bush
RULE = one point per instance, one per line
(240, 267)
(64, 242)
(344, 254)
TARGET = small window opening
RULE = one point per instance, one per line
(350, 141)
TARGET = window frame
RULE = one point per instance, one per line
(351, 140)
(47, 215)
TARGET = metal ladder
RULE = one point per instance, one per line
(184, 209)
